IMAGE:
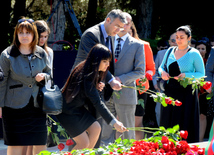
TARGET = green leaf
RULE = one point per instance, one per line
(209, 96)
(119, 140)
(162, 128)
(156, 133)
(176, 127)
(49, 130)
(45, 152)
(117, 95)
(141, 102)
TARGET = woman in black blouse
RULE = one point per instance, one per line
(83, 102)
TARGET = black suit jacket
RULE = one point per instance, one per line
(86, 96)
(91, 37)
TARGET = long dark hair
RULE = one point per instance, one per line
(208, 48)
(42, 26)
(87, 68)
(98, 52)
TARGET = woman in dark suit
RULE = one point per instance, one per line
(24, 65)
(83, 100)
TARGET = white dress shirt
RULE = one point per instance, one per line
(123, 39)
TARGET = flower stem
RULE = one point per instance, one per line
(51, 119)
(150, 92)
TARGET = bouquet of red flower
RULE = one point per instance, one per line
(163, 142)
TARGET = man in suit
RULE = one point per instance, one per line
(101, 33)
(129, 66)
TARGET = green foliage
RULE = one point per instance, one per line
(60, 129)
(195, 82)
(123, 145)
(141, 102)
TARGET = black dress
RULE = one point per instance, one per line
(186, 115)
(80, 113)
(25, 126)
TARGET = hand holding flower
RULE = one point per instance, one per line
(119, 127)
(180, 76)
(165, 75)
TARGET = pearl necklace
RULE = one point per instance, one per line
(183, 49)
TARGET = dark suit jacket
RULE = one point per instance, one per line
(87, 96)
(91, 37)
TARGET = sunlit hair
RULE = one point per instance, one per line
(117, 13)
(42, 27)
(134, 32)
(30, 27)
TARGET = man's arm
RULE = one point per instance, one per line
(88, 40)
(139, 67)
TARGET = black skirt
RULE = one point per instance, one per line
(25, 126)
(76, 116)
(77, 123)
(186, 115)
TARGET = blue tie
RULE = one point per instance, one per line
(107, 41)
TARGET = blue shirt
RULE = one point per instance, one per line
(191, 63)
(105, 35)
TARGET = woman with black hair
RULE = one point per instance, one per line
(43, 33)
(182, 62)
(203, 47)
(81, 92)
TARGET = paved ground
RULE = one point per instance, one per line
(3, 148)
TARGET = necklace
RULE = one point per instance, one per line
(183, 49)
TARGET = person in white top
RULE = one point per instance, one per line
(43, 32)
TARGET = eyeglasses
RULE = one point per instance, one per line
(119, 28)
(173, 40)
(23, 20)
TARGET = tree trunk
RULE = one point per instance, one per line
(19, 10)
(144, 19)
(5, 18)
(91, 15)
(57, 25)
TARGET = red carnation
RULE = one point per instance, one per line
(164, 140)
(178, 103)
(207, 85)
(201, 151)
(61, 146)
(149, 76)
(69, 142)
(183, 134)
(194, 148)
(168, 100)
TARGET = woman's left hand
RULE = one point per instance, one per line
(100, 86)
(39, 77)
(181, 76)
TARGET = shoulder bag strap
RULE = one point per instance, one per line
(165, 66)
